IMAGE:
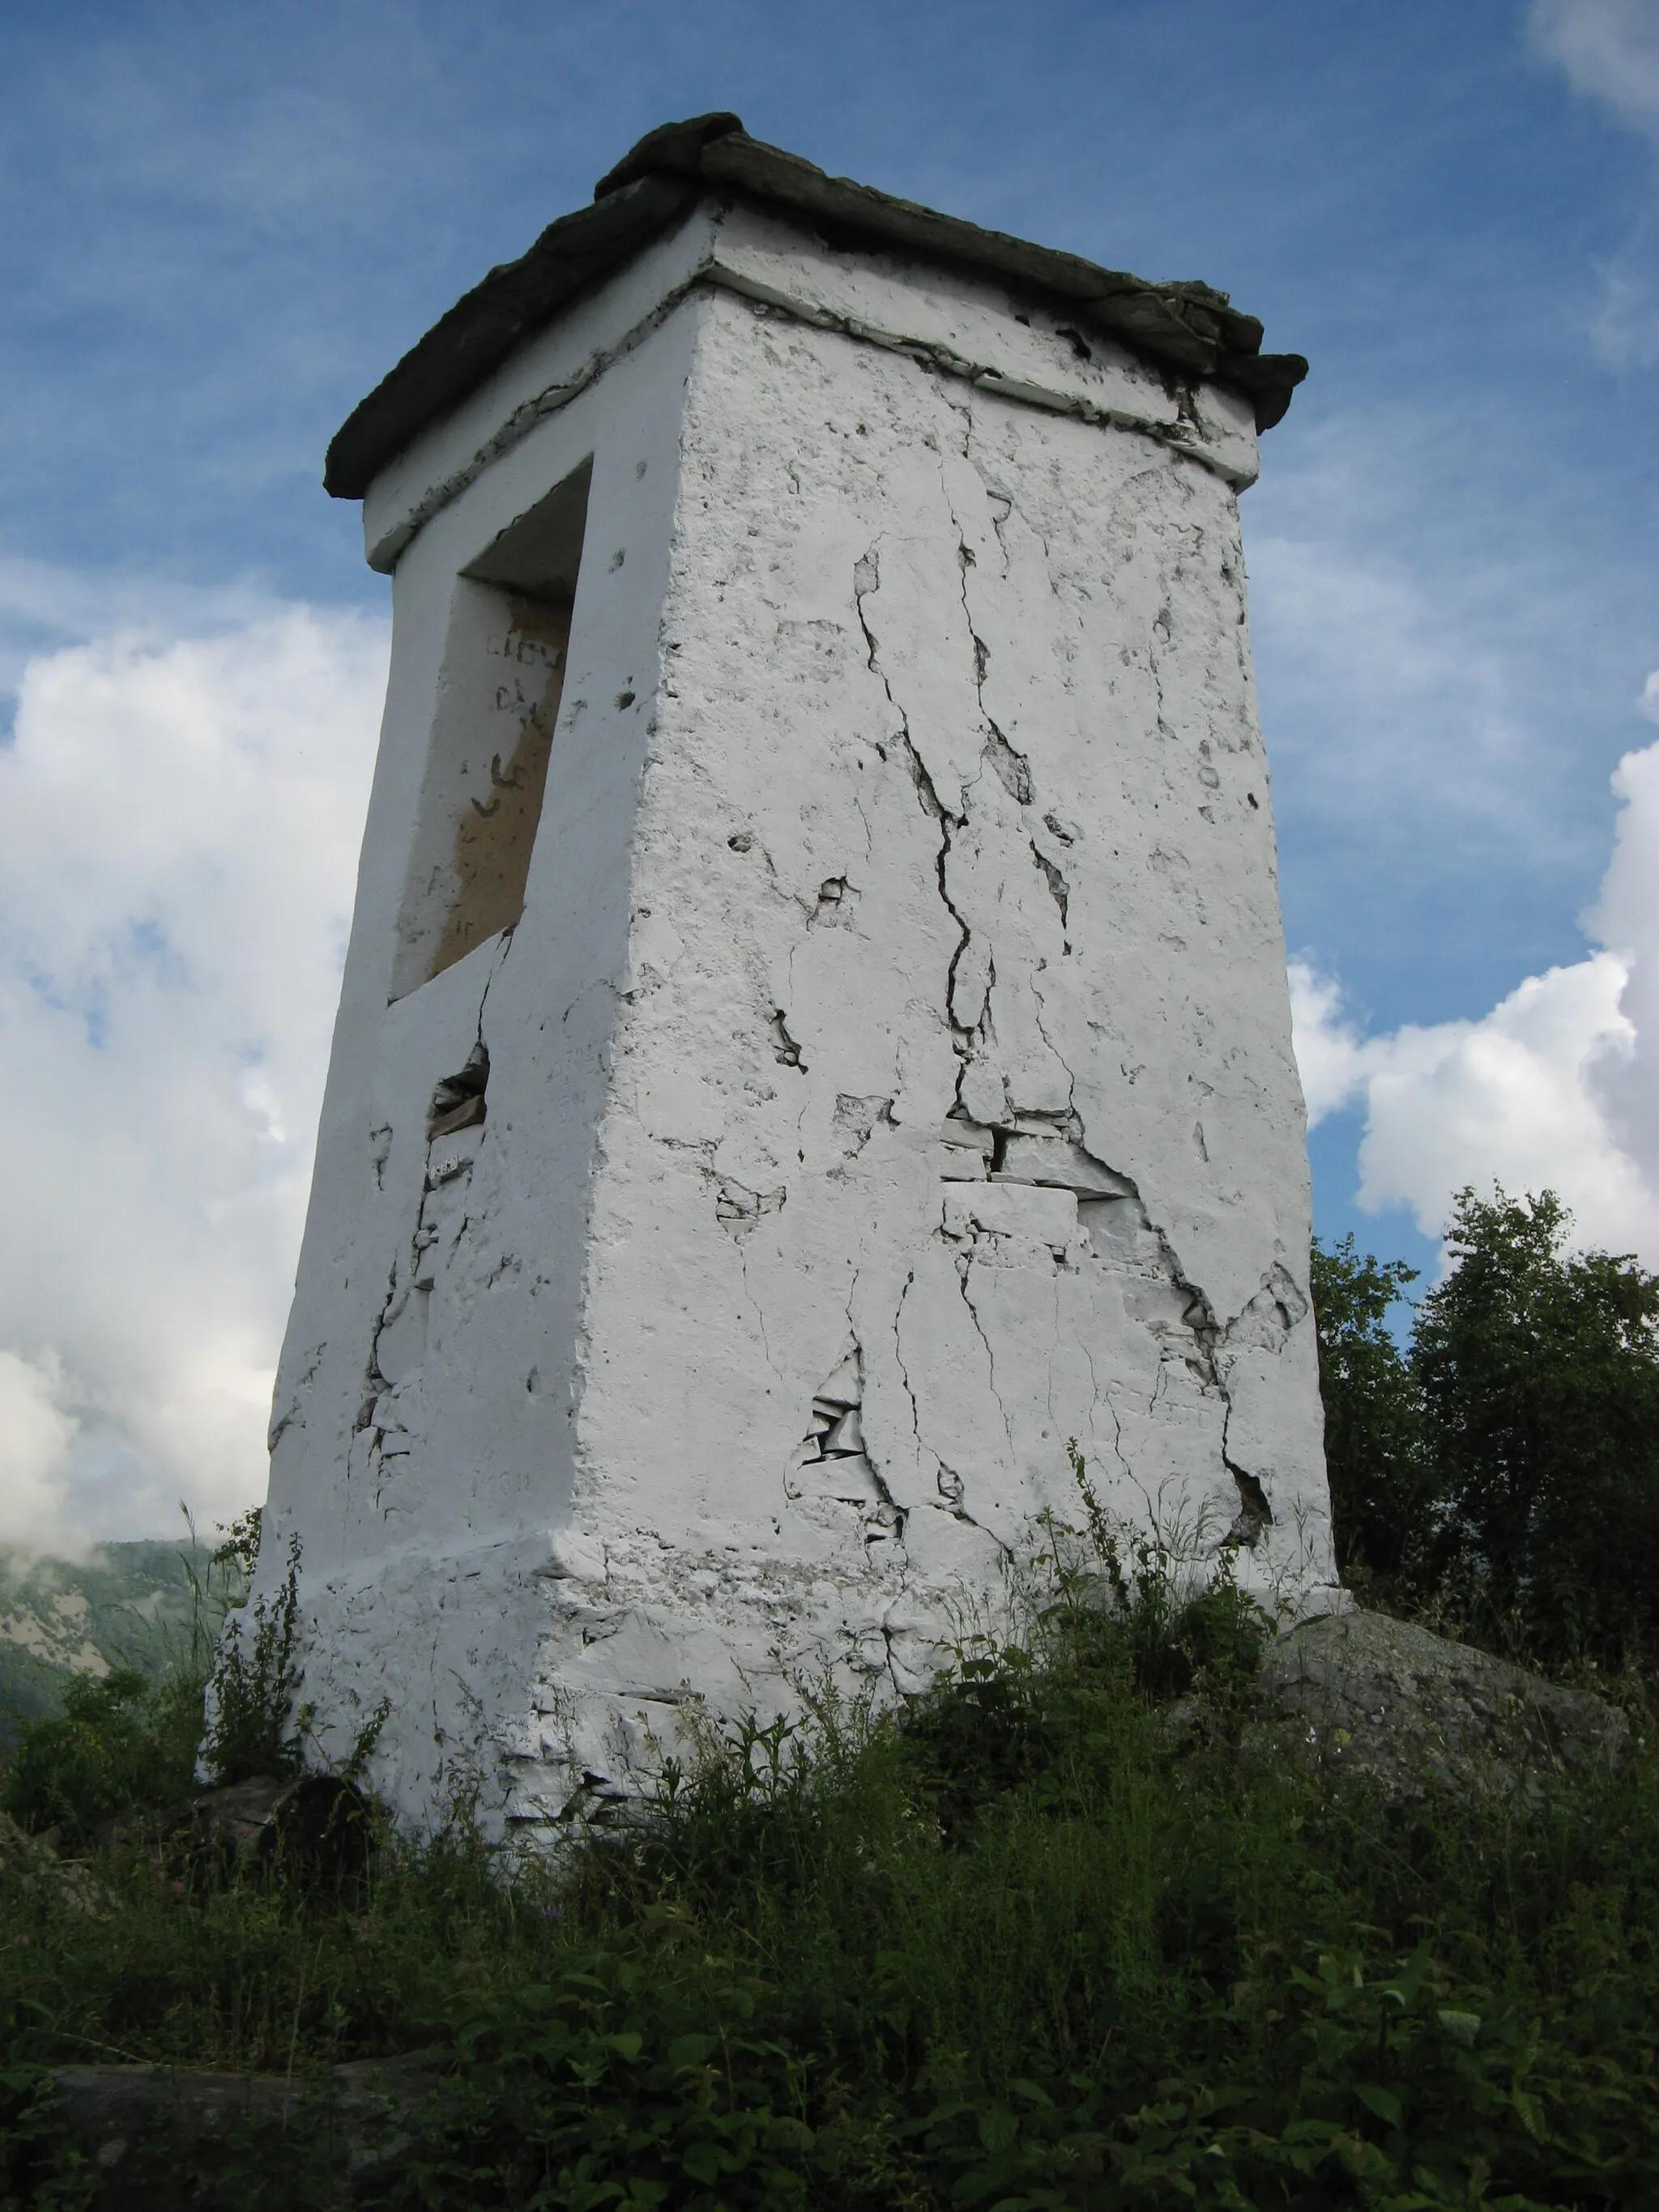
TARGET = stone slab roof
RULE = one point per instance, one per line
(1188, 330)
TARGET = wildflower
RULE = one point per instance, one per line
(552, 1912)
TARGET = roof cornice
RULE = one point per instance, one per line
(1188, 330)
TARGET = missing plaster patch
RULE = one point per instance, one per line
(1023, 1213)
(968, 1147)
(1270, 1315)
(1013, 770)
(1047, 1188)
(457, 1102)
(784, 1048)
(1059, 1161)
(1255, 1515)
(855, 1120)
(837, 900)
(833, 1461)
(837, 1429)
(740, 1208)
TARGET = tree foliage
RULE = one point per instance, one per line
(1502, 1464)
(1373, 1414)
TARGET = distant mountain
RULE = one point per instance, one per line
(126, 1605)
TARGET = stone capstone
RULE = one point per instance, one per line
(1185, 327)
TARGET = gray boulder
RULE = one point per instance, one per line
(155, 2136)
(1413, 1713)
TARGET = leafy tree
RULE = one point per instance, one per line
(1539, 1375)
(1381, 1480)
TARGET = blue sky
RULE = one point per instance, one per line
(224, 223)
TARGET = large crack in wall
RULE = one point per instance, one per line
(866, 581)
(392, 1416)
(1035, 1146)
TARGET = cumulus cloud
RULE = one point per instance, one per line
(45, 605)
(1608, 49)
(1625, 330)
(1557, 1086)
(37, 1437)
(1417, 657)
(179, 831)
(1364, 629)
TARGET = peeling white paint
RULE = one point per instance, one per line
(889, 1080)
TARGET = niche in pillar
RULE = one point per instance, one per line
(492, 735)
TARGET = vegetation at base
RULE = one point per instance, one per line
(1498, 1474)
(1073, 1929)
(1078, 1929)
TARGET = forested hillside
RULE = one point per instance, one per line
(125, 1605)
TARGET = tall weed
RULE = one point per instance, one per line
(254, 1722)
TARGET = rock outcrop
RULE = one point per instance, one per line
(1414, 1712)
(162, 2135)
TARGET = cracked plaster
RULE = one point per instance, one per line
(887, 1085)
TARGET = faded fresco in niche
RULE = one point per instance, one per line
(502, 783)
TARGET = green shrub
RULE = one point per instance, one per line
(118, 1743)
(1017, 1944)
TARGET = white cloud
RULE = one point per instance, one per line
(37, 1437)
(1333, 1060)
(1608, 49)
(1557, 1086)
(1421, 663)
(1625, 330)
(1409, 712)
(45, 605)
(178, 832)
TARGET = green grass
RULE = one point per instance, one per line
(1045, 1939)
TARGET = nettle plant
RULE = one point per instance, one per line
(254, 1722)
